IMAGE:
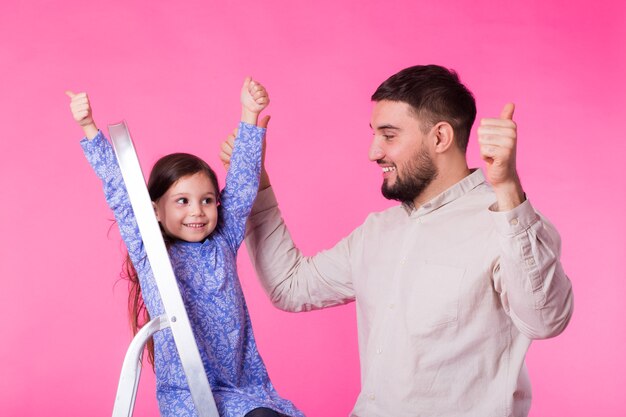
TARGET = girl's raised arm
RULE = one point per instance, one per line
(100, 155)
(242, 180)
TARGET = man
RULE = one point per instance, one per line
(452, 285)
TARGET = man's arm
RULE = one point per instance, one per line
(533, 287)
(292, 281)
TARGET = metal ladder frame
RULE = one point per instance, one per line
(175, 316)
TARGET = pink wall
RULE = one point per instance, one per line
(174, 72)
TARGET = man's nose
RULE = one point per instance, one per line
(376, 152)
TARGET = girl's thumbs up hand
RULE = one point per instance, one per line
(81, 111)
(80, 107)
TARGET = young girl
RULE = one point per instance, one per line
(203, 229)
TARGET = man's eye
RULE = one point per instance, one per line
(388, 137)
(182, 200)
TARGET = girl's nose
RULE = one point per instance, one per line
(196, 210)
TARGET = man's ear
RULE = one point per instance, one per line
(156, 211)
(444, 136)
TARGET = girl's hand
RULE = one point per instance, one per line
(81, 111)
(254, 99)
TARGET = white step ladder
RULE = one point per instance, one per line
(175, 316)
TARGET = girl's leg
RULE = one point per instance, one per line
(262, 412)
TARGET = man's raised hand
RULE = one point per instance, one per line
(497, 139)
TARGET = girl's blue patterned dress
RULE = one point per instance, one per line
(207, 278)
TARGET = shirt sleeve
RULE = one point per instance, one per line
(242, 182)
(101, 157)
(529, 277)
(295, 282)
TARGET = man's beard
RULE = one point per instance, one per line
(417, 174)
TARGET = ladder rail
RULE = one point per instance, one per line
(131, 368)
(175, 311)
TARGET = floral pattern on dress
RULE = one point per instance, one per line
(207, 278)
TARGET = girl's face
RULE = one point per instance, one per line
(188, 209)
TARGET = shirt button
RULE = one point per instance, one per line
(530, 262)
(391, 306)
(379, 351)
(371, 397)
(402, 261)
(514, 222)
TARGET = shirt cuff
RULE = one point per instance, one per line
(251, 126)
(516, 221)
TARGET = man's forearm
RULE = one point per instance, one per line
(292, 281)
(530, 277)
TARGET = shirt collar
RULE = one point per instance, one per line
(473, 180)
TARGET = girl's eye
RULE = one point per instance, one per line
(182, 200)
(207, 201)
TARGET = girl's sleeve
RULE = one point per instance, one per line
(242, 182)
(100, 156)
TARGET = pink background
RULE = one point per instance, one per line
(173, 70)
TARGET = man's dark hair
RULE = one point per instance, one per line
(435, 94)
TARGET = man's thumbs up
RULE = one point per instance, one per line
(264, 121)
(497, 139)
(507, 111)
(498, 142)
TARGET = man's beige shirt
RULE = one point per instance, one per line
(448, 298)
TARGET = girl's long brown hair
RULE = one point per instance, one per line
(164, 174)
